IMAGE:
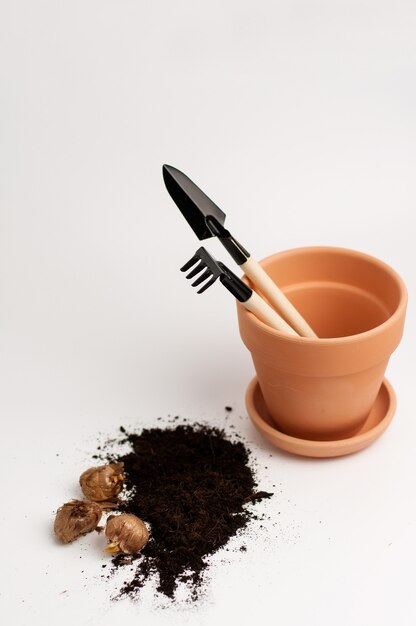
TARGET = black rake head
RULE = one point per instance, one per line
(205, 263)
(211, 269)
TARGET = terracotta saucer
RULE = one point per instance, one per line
(379, 418)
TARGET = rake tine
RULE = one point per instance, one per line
(190, 263)
(204, 276)
(198, 268)
(208, 284)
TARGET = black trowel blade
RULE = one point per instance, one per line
(194, 205)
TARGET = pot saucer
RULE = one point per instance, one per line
(376, 423)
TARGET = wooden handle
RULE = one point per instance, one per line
(277, 298)
(266, 314)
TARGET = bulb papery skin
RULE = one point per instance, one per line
(102, 483)
(126, 533)
(76, 518)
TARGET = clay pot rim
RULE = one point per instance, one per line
(330, 341)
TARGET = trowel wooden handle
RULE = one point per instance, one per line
(276, 297)
(266, 314)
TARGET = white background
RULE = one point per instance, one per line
(298, 119)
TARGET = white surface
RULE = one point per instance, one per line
(298, 119)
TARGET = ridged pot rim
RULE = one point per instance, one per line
(372, 333)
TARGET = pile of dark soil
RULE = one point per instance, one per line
(194, 487)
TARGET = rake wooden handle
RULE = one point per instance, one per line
(277, 298)
(266, 314)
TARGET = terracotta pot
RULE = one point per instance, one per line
(324, 388)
